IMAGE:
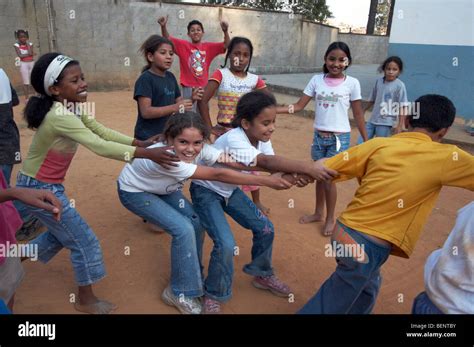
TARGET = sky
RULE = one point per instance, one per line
(353, 12)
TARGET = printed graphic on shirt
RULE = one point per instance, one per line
(328, 100)
(175, 187)
(197, 59)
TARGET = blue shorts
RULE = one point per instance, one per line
(327, 146)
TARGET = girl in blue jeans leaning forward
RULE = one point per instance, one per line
(334, 92)
(59, 129)
(154, 193)
(248, 143)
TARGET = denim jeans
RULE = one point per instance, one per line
(211, 208)
(70, 232)
(175, 214)
(326, 147)
(374, 130)
(7, 172)
(354, 286)
(423, 305)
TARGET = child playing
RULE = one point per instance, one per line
(230, 84)
(249, 144)
(334, 92)
(392, 202)
(449, 279)
(156, 90)
(24, 51)
(154, 193)
(10, 149)
(389, 98)
(60, 82)
(9, 135)
(196, 56)
(11, 270)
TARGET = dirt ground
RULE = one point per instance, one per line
(135, 281)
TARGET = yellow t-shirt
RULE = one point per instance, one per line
(400, 178)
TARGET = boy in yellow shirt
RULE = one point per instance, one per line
(400, 178)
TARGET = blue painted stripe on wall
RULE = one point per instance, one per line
(428, 69)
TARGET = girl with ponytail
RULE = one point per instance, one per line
(60, 83)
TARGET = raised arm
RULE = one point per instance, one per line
(293, 108)
(162, 21)
(225, 29)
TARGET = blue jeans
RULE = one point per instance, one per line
(423, 305)
(211, 207)
(7, 172)
(70, 232)
(326, 147)
(175, 214)
(354, 286)
(374, 130)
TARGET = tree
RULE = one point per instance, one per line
(372, 14)
(380, 17)
(313, 10)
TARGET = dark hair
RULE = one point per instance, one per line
(394, 59)
(435, 113)
(151, 45)
(235, 41)
(21, 31)
(195, 22)
(251, 105)
(180, 121)
(338, 45)
(38, 106)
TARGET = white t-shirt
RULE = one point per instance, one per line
(332, 103)
(5, 89)
(236, 144)
(449, 271)
(144, 175)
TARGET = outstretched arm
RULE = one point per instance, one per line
(40, 198)
(274, 181)
(293, 108)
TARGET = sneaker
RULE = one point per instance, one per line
(184, 304)
(211, 306)
(30, 230)
(273, 284)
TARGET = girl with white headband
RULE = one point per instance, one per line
(59, 81)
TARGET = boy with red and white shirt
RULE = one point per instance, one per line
(195, 57)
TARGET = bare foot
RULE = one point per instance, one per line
(265, 210)
(328, 227)
(311, 218)
(98, 307)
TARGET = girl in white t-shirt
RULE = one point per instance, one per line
(154, 193)
(230, 83)
(333, 92)
(248, 143)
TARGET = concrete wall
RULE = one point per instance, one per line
(366, 49)
(105, 36)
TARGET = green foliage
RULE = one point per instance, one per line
(313, 10)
